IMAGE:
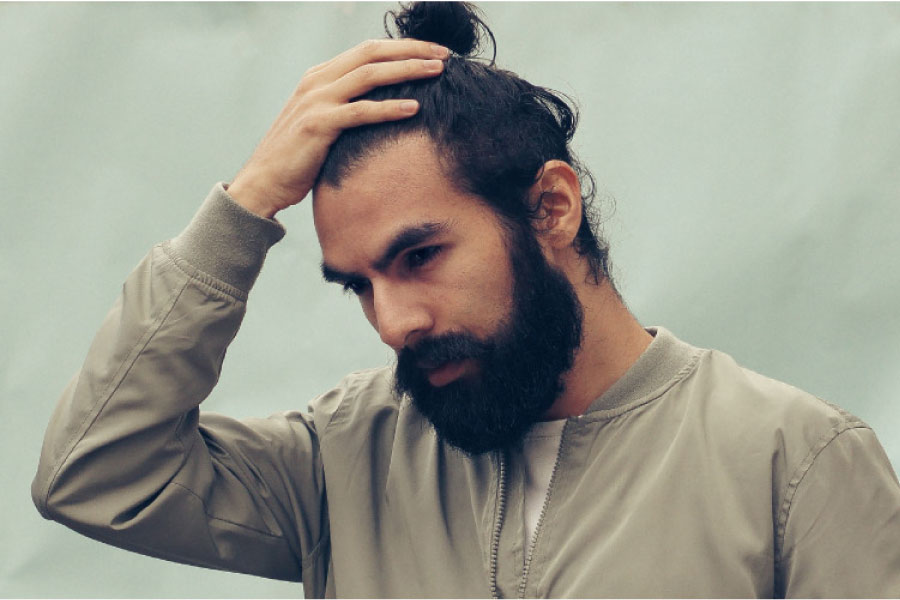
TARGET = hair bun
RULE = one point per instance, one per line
(456, 25)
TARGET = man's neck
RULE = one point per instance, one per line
(612, 341)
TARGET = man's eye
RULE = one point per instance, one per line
(417, 258)
(355, 287)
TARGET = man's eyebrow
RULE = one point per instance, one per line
(334, 276)
(405, 238)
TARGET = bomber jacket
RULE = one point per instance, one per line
(690, 477)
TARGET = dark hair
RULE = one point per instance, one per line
(494, 129)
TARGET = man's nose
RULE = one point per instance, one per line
(401, 316)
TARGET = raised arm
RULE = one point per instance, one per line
(127, 457)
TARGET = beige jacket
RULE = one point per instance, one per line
(690, 477)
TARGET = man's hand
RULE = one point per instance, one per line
(284, 166)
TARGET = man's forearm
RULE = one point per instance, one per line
(123, 459)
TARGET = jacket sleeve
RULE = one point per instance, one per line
(128, 459)
(842, 524)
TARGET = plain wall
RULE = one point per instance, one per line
(750, 151)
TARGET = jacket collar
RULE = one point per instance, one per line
(665, 360)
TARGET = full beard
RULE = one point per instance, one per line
(520, 368)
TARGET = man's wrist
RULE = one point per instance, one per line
(250, 198)
(227, 241)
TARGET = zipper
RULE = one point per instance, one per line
(495, 538)
(537, 528)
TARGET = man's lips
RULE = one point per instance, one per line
(445, 373)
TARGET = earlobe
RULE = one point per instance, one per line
(559, 213)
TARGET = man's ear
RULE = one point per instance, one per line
(558, 195)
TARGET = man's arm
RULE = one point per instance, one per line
(840, 522)
(127, 458)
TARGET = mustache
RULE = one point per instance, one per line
(433, 352)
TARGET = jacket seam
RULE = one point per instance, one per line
(799, 475)
(175, 556)
(334, 413)
(111, 388)
(319, 543)
(316, 550)
(215, 518)
(344, 404)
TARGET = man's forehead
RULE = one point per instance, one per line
(392, 188)
(380, 211)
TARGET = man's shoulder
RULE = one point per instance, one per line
(757, 412)
(732, 386)
(712, 386)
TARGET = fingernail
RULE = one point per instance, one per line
(434, 65)
(409, 106)
(440, 51)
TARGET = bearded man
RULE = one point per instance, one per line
(533, 438)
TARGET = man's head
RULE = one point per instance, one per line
(494, 130)
(482, 315)
(462, 230)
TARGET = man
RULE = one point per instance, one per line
(533, 439)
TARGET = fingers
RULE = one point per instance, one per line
(366, 112)
(369, 76)
(284, 165)
(369, 65)
(375, 51)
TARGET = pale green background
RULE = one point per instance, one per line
(752, 151)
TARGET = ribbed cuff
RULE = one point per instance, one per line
(227, 241)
